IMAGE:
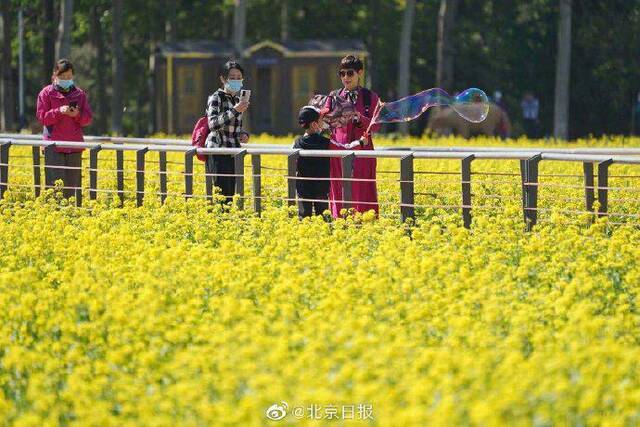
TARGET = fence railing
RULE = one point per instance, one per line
(595, 170)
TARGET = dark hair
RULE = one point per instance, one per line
(308, 115)
(228, 66)
(62, 66)
(351, 62)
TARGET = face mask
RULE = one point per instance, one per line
(233, 85)
(65, 84)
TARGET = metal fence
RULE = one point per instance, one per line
(595, 170)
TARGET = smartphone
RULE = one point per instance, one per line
(73, 104)
(245, 95)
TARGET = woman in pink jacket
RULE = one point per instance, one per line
(63, 110)
(364, 193)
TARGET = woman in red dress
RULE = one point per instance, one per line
(364, 194)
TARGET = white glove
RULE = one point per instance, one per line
(353, 144)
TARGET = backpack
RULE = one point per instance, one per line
(199, 135)
(366, 97)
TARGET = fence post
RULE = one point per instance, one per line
(4, 167)
(292, 161)
(140, 164)
(162, 159)
(48, 150)
(188, 173)
(523, 176)
(407, 195)
(589, 196)
(603, 184)
(238, 160)
(93, 172)
(78, 191)
(347, 174)
(256, 179)
(120, 174)
(466, 190)
(529, 173)
(208, 179)
(35, 151)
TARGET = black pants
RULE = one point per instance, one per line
(531, 128)
(307, 208)
(72, 178)
(222, 164)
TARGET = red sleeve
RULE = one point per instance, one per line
(46, 115)
(86, 115)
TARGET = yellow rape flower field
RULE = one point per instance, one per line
(181, 314)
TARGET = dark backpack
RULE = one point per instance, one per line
(366, 97)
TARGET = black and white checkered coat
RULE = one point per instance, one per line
(225, 123)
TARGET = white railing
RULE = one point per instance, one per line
(595, 161)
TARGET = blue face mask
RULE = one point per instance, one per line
(233, 85)
(65, 84)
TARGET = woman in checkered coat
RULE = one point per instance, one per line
(224, 114)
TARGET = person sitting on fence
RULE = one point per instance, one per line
(63, 110)
(313, 188)
(224, 113)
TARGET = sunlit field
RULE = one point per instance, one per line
(182, 314)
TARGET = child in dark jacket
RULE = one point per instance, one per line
(313, 188)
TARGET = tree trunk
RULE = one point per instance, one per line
(97, 40)
(284, 20)
(63, 44)
(372, 37)
(117, 67)
(48, 40)
(563, 72)
(404, 60)
(445, 48)
(8, 116)
(170, 28)
(239, 26)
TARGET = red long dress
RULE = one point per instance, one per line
(364, 193)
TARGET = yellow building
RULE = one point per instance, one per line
(282, 76)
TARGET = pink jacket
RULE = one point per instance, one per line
(60, 127)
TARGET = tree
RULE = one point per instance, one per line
(284, 20)
(404, 60)
(170, 24)
(117, 67)
(563, 71)
(239, 26)
(100, 66)
(63, 44)
(445, 47)
(48, 39)
(7, 119)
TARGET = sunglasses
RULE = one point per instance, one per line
(343, 73)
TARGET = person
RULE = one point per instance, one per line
(499, 100)
(503, 129)
(313, 193)
(363, 188)
(224, 114)
(63, 110)
(530, 111)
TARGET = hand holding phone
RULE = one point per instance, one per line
(72, 109)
